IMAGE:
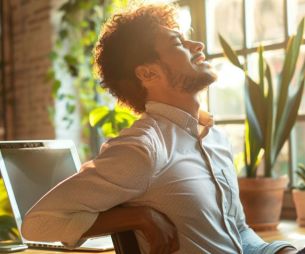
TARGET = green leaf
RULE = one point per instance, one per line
(255, 102)
(66, 7)
(63, 33)
(288, 119)
(50, 75)
(5, 207)
(253, 129)
(292, 52)
(301, 174)
(70, 108)
(301, 167)
(8, 229)
(97, 115)
(85, 4)
(111, 121)
(84, 24)
(70, 59)
(229, 52)
(124, 114)
(55, 87)
(261, 69)
(302, 74)
(53, 55)
(269, 121)
(70, 96)
(109, 131)
(61, 96)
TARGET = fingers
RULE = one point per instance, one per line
(165, 243)
(165, 248)
(160, 232)
(172, 233)
(174, 246)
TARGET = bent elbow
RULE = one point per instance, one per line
(30, 229)
(37, 227)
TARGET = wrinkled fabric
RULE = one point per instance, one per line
(167, 160)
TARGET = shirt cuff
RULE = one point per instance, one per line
(275, 246)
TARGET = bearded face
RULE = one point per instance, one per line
(189, 82)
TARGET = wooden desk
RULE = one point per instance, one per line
(38, 251)
(287, 231)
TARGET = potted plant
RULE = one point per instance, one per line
(299, 196)
(270, 118)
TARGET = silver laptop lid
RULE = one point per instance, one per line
(31, 168)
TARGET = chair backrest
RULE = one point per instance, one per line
(125, 243)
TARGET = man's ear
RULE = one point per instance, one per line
(146, 73)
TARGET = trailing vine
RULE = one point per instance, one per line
(72, 57)
(80, 22)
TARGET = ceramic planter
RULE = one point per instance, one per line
(299, 201)
(262, 199)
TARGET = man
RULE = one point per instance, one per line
(172, 159)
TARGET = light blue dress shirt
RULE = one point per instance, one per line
(167, 160)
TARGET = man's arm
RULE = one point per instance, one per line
(251, 242)
(158, 230)
(121, 173)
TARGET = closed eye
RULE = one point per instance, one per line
(177, 39)
(178, 44)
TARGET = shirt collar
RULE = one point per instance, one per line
(196, 127)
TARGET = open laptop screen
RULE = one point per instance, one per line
(34, 171)
(29, 171)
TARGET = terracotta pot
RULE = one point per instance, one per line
(299, 201)
(262, 199)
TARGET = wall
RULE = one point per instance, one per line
(29, 41)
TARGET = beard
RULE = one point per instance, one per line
(187, 82)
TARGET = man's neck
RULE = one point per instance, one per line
(187, 103)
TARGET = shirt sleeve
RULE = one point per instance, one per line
(120, 173)
(251, 242)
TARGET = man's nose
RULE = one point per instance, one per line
(197, 46)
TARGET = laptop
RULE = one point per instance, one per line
(30, 169)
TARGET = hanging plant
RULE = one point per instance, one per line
(72, 59)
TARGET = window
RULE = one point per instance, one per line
(245, 24)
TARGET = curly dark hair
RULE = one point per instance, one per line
(127, 41)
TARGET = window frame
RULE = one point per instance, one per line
(198, 9)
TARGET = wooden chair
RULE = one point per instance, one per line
(125, 243)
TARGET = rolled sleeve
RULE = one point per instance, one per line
(251, 242)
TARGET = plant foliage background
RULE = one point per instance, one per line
(8, 228)
(80, 24)
(79, 27)
(270, 116)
